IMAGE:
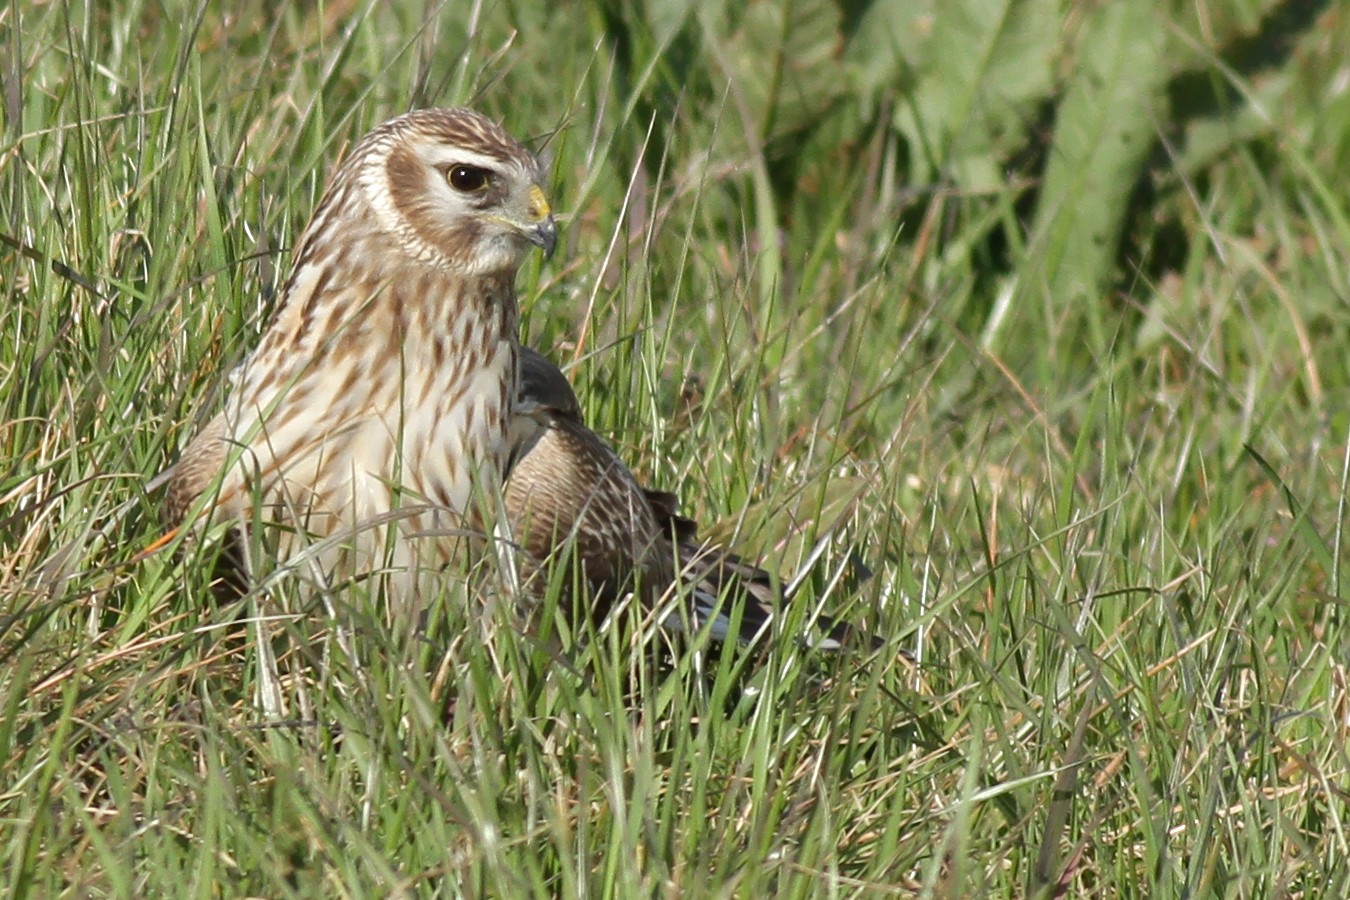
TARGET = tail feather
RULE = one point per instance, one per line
(728, 593)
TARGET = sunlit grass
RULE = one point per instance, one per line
(1108, 528)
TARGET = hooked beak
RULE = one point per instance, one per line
(543, 234)
(544, 231)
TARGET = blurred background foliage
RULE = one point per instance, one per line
(1079, 134)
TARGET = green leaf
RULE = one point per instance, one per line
(989, 67)
(785, 63)
(1103, 134)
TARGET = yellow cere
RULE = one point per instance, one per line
(539, 207)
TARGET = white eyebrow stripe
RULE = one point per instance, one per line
(442, 156)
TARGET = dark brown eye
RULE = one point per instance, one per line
(469, 179)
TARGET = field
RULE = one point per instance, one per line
(1014, 333)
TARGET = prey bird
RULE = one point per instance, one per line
(380, 395)
(570, 499)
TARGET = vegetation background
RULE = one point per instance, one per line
(1037, 310)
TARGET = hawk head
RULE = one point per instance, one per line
(455, 190)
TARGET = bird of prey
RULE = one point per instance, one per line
(380, 394)
(569, 497)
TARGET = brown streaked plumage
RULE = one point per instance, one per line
(569, 496)
(565, 481)
(381, 390)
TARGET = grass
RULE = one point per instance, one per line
(1089, 438)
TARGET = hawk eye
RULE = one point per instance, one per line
(469, 179)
